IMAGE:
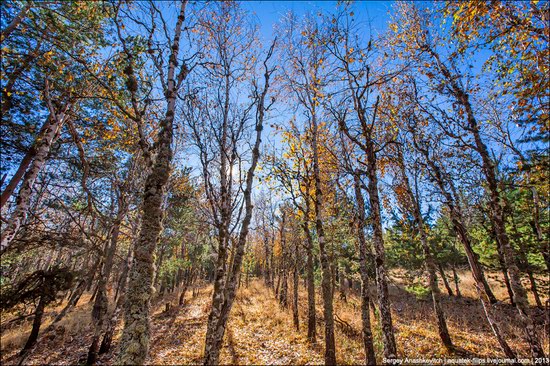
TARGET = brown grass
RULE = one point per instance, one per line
(260, 331)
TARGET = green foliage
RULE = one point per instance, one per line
(420, 291)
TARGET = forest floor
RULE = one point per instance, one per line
(260, 331)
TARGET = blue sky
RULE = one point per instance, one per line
(269, 12)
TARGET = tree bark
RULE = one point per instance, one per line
(444, 278)
(462, 234)
(311, 316)
(457, 289)
(134, 345)
(544, 245)
(496, 204)
(326, 281)
(41, 148)
(283, 293)
(224, 296)
(295, 283)
(368, 344)
(428, 257)
(36, 323)
(101, 303)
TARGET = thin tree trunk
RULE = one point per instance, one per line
(120, 298)
(283, 294)
(295, 278)
(326, 281)
(36, 323)
(526, 264)
(457, 289)
(311, 316)
(278, 285)
(462, 234)
(444, 278)
(225, 295)
(390, 348)
(502, 264)
(497, 213)
(101, 303)
(368, 344)
(544, 245)
(42, 148)
(428, 257)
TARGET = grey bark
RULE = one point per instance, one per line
(368, 344)
(428, 257)
(134, 345)
(326, 281)
(42, 147)
(462, 235)
(496, 204)
(224, 293)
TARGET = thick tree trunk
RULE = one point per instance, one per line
(134, 345)
(368, 344)
(24, 164)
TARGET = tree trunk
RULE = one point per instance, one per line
(295, 283)
(311, 316)
(390, 349)
(544, 245)
(326, 281)
(462, 235)
(526, 264)
(428, 257)
(283, 294)
(457, 289)
(444, 278)
(225, 295)
(497, 213)
(36, 323)
(134, 345)
(42, 148)
(111, 324)
(502, 264)
(101, 303)
(370, 356)
(24, 164)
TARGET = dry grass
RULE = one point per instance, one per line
(260, 331)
